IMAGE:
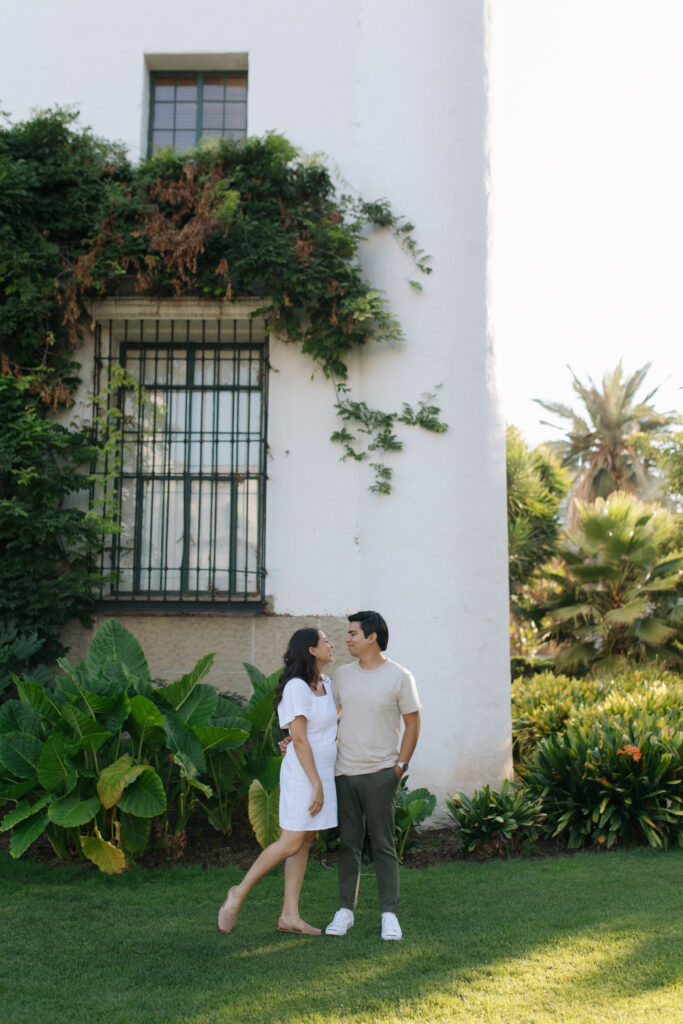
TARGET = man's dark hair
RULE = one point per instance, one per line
(372, 622)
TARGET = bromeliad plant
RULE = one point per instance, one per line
(496, 821)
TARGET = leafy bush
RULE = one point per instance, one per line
(496, 821)
(412, 808)
(618, 592)
(546, 704)
(105, 760)
(607, 785)
(19, 649)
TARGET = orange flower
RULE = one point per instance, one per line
(631, 751)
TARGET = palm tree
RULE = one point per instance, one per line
(617, 588)
(536, 485)
(610, 448)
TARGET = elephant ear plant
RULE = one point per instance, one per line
(95, 761)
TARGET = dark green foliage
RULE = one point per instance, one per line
(77, 221)
(106, 762)
(46, 543)
(497, 822)
(19, 649)
(413, 806)
(603, 754)
(602, 786)
(536, 485)
(53, 191)
(546, 704)
(618, 590)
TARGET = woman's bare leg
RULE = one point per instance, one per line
(295, 869)
(288, 845)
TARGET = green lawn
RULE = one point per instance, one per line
(589, 938)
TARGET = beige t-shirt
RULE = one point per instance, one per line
(372, 702)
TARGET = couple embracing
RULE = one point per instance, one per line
(347, 775)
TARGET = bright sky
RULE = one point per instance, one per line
(587, 161)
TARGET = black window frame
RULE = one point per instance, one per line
(115, 339)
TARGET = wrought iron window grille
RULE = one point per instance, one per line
(185, 473)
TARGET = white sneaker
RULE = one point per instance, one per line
(391, 929)
(340, 923)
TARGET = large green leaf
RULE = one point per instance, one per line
(15, 716)
(664, 583)
(95, 703)
(264, 813)
(654, 631)
(146, 723)
(24, 809)
(183, 740)
(107, 857)
(256, 676)
(15, 790)
(26, 833)
(93, 741)
(144, 796)
(55, 770)
(80, 724)
(135, 834)
(115, 777)
(177, 693)
(39, 698)
(198, 709)
(145, 713)
(114, 718)
(113, 643)
(260, 710)
(230, 715)
(71, 811)
(267, 770)
(215, 737)
(627, 613)
(20, 753)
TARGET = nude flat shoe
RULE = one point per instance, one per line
(226, 919)
(307, 929)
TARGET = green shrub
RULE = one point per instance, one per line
(546, 704)
(496, 821)
(603, 786)
(412, 808)
(106, 760)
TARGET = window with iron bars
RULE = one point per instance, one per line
(186, 476)
(188, 106)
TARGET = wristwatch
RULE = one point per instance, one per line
(403, 765)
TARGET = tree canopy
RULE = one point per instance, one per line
(609, 447)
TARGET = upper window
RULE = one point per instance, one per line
(186, 467)
(188, 106)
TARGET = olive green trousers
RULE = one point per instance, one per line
(368, 799)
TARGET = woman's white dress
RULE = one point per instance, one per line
(296, 791)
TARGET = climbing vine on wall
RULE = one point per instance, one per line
(225, 221)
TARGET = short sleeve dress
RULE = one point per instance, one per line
(321, 730)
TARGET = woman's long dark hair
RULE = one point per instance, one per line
(299, 662)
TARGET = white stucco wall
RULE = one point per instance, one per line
(395, 94)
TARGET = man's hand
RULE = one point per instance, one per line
(283, 744)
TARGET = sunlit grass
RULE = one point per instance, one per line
(590, 938)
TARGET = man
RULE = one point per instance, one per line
(374, 693)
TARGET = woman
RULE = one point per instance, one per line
(308, 799)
